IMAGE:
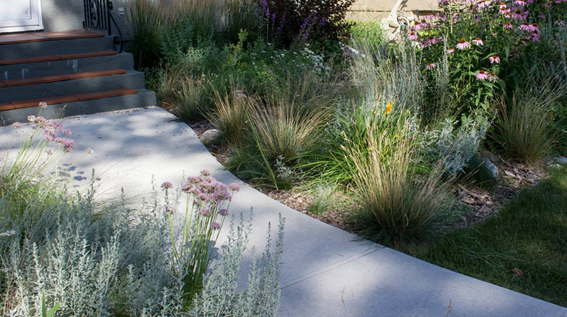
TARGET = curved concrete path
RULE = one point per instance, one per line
(326, 271)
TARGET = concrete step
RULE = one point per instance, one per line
(60, 64)
(132, 79)
(83, 104)
(46, 48)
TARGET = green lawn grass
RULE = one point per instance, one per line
(530, 234)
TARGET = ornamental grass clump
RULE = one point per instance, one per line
(396, 205)
(523, 126)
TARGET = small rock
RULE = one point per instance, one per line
(561, 160)
(491, 167)
(489, 155)
(211, 137)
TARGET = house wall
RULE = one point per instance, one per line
(66, 15)
(376, 10)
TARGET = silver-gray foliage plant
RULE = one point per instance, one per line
(107, 260)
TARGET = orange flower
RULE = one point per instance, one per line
(388, 108)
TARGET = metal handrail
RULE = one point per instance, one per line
(98, 16)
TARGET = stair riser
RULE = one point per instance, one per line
(144, 98)
(122, 61)
(132, 79)
(34, 49)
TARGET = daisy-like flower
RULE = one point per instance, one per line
(430, 66)
(413, 36)
(492, 77)
(450, 51)
(502, 5)
(482, 75)
(388, 108)
(483, 4)
(508, 25)
(494, 59)
(430, 41)
(462, 45)
(478, 41)
(520, 3)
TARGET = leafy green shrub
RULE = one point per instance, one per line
(318, 20)
(491, 45)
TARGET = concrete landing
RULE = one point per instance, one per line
(326, 271)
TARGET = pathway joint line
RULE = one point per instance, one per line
(310, 276)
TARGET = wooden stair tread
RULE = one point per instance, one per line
(6, 106)
(51, 58)
(48, 100)
(69, 35)
(68, 98)
(34, 80)
(85, 55)
(107, 94)
(62, 77)
(98, 73)
(46, 36)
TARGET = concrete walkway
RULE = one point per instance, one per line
(326, 271)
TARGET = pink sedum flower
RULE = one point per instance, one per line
(166, 185)
(17, 125)
(43, 105)
(234, 187)
(215, 226)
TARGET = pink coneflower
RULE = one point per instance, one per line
(494, 59)
(492, 77)
(508, 25)
(482, 75)
(483, 4)
(430, 41)
(450, 51)
(478, 41)
(430, 66)
(518, 15)
(559, 23)
(534, 37)
(463, 44)
(549, 4)
(520, 3)
(413, 36)
(502, 5)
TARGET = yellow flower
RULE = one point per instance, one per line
(397, 136)
(388, 108)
